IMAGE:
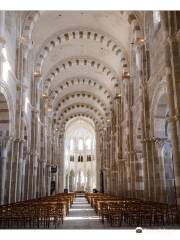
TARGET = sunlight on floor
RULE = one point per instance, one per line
(82, 218)
(81, 209)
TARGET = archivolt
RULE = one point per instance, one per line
(53, 93)
(97, 122)
(81, 33)
(82, 61)
(74, 95)
(29, 23)
(76, 106)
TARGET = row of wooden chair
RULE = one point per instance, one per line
(36, 213)
(132, 212)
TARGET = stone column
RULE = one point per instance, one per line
(2, 38)
(149, 171)
(8, 169)
(171, 102)
(3, 167)
(26, 176)
(32, 175)
(43, 178)
(14, 171)
(35, 169)
(23, 180)
(48, 179)
(162, 195)
(19, 172)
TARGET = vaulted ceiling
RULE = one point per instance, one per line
(79, 55)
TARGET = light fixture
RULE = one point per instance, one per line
(49, 109)
(108, 120)
(140, 40)
(118, 96)
(126, 75)
(37, 74)
(45, 96)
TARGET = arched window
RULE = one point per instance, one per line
(138, 60)
(71, 145)
(80, 144)
(156, 17)
(88, 158)
(88, 144)
(71, 158)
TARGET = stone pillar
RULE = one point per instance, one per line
(2, 38)
(14, 171)
(39, 179)
(8, 170)
(32, 176)
(161, 185)
(19, 172)
(48, 179)
(170, 81)
(3, 165)
(26, 176)
(149, 171)
(35, 172)
(43, 178)
(23, 180)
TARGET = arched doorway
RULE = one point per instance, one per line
(4, 137)
(164, 149)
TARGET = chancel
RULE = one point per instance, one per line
(89, 119)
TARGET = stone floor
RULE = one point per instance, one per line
(82, 216)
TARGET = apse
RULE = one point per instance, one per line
(80, 155)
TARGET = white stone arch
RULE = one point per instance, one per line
(81, 33)
(29, 22)
(80, 81)
(163, 144)
(4, 90)
(6, 141)
(85, 61)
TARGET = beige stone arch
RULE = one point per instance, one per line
(159, 91)
(59, 38)
(84, 61)
(30, 18)
(4, 90)
(6, 140)
(163, 144)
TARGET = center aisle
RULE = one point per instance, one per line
(82, 216)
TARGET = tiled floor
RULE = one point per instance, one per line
(83, 216)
